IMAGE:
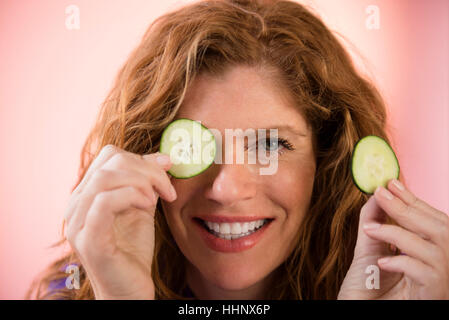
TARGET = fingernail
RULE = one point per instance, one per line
(163, 159)
(384, 193)
(398, 185)
(383, 260)
(371, 226)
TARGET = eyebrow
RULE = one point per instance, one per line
(288, 128)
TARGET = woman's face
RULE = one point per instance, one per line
(234, 193)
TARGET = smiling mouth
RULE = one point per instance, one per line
(233, 230)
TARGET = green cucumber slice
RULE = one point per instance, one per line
(190, 145)
(373, 164)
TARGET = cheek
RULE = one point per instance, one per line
(291, 187)
(172, 210)
(183, 192)
(175, 222)
(291, 190)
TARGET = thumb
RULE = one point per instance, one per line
(370, 215)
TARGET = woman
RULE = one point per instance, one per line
(138, 233)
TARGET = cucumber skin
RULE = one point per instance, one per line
(160, 146)
(352, 159)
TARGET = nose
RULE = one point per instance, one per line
(232, 183)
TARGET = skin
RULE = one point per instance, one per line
(110, 215)
(242, 98)
(421, 235)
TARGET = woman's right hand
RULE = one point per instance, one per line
(110, 221)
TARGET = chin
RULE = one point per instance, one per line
(234, 278)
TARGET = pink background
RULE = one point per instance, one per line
(52, 81)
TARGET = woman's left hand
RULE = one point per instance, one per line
(421, 271)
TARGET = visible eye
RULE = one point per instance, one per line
(271, 145)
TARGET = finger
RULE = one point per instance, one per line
(400, 191)
(370, 214)
(408, 242)
(125, 162)
(106, 180)
(411, 218)
(165, 163)
(105, 154)
(160, 159)
(148, 165)
(101, 216)
(411, 267)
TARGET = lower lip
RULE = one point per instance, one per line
(236, 245)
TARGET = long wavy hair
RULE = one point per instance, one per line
(339, 103)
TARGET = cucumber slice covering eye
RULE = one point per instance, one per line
(190, 145)
(373, 164)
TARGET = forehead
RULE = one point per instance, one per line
(242, 98)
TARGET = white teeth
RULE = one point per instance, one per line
(234, 230)
(225, 228)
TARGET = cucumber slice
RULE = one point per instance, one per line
(190, 145)
(373, 164)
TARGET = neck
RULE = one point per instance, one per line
(204, 290)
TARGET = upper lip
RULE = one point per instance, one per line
(230, 219)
